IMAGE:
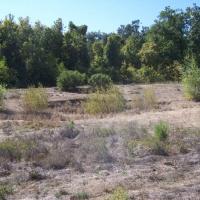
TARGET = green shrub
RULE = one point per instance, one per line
(129, 74)
(35, 99)
(81, 196)
(4, 72)
(15, 150)
(161, 131)
(143, 75)
(5, 190)
(9, 149)
(149, 75)
(102, 102)
(100, 81)
(2, 94)
(173, 72)
(119, 194)
(158, 143)
(191, 82)
(69, 80)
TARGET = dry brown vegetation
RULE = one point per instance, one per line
(147, 152)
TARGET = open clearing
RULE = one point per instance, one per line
(75, 153)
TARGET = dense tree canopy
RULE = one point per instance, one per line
(37, 54)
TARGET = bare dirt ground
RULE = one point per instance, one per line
(80, 154)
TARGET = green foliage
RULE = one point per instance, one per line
(61, 68)
(143, 75)
(33, 54)
(5, 190)
(191, 82)
(76, 56)
(149, 75)
(131, 49)
(35, 99)
(2, 94)
(102, 102)
(98, 61)
(4, 72)
(100, 81)
(158, 143)
(113, 56)
(165, 43)
(161, 131)
(119, 194)
(69, 80)
(193, 14)
(129, 74)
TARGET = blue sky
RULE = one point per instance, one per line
(104, 15)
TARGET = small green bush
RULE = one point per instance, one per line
(191, 83)
(9, 149)
(100, 81)
(119, 194)
(158, 143)
(5, 190)
(15, 150)
(129, 74)
(2, 94)
(104, 102)
(69, 80)
(35, 99)
(161, 131)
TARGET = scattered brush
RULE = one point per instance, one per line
(158, 143)
(35, 99)
(119, 194)
(105, 101)
(5, 190)
(15, 149)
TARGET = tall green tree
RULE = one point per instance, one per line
(98, 62)
(10, 48)
(112, 52)
(165, 42)
(193, 22)
(76, 54)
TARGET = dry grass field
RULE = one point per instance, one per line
(64, 153)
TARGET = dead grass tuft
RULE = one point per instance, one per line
(147, 101)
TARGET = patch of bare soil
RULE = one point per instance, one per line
(63, 153)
